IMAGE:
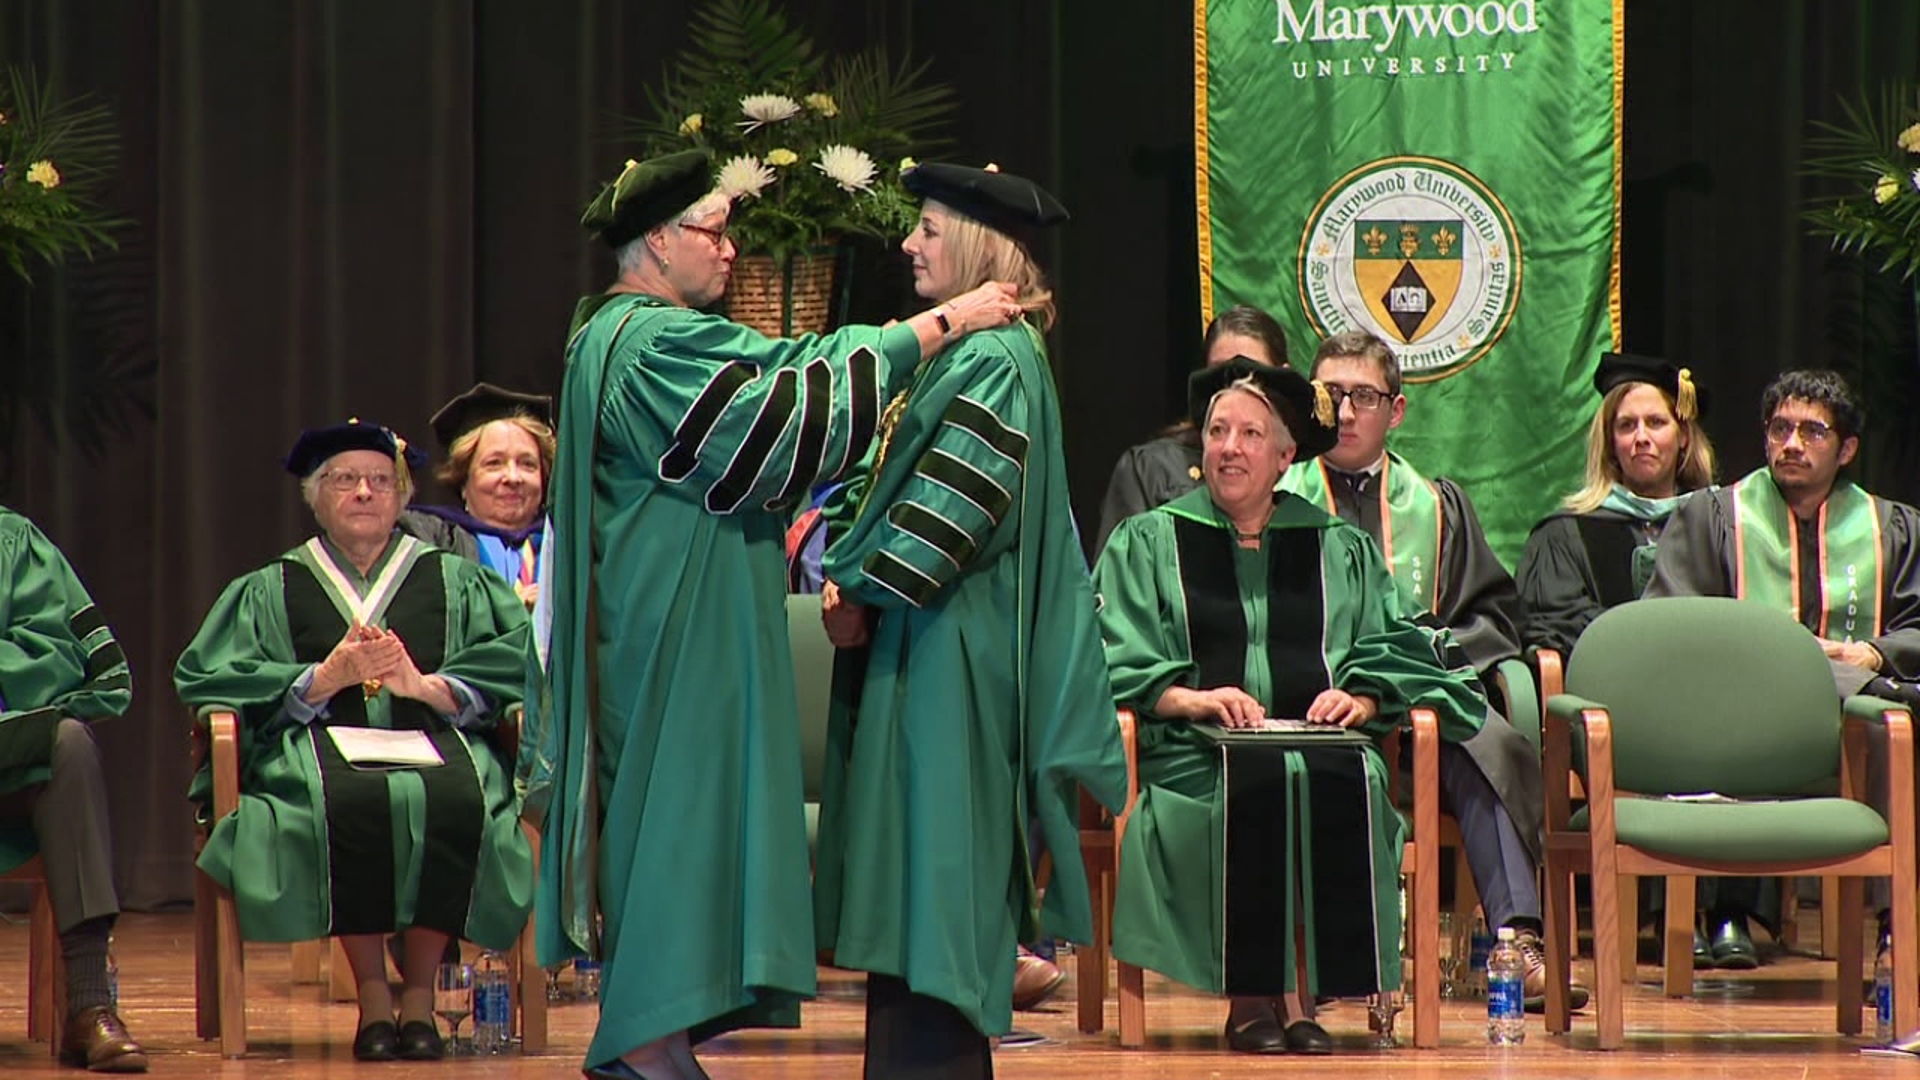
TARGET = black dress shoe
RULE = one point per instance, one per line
(613, 1070)
(1261, 1035)
(1307, 1037)
(378, 1041)
(1731, 947)
(1702, 952)
(420, 1041)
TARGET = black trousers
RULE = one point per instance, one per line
(913, 1037)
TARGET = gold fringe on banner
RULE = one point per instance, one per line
(1201, 203)
(1619, 127)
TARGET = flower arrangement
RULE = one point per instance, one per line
(53, 154)
(808, 146)
(1876, 153)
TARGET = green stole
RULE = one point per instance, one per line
(1410, 521)
(1766, 557)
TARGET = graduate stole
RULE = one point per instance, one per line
(1410, 521)
(1766, 556)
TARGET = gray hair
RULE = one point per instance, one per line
(633, 254)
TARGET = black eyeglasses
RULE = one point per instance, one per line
(718, 236)
(1812, 432)
(1363, 397)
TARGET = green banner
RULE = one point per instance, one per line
(1443, 175)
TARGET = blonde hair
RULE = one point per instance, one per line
(453, 471)
(980, 253)
(1695, 469)
(402, 481)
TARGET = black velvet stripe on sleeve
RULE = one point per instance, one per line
(979, 420)
(1296, 620)
(863, 400)
(887, 570)
(816, 412)
(691, 433)
(970, 483)
(751, 459)
(937, 532)
(86, 621)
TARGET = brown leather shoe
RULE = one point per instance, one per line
(1534, 988)
(1034, 980)
(97, 1039)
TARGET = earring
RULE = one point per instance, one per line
(665, 265)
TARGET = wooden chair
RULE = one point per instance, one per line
(1677, 968)
(220, 954)
(1649, 727)
(1419, 861)
(46, 973)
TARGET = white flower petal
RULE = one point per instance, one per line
(744, 177)
(852, 169)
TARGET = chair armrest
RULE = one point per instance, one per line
(507, 731)
(1426, 788)
(1130, 746)
(1551, 668)
(1858, 714)
(223, 729)
(1516, 684)
(1569, 723)
(1873, 710)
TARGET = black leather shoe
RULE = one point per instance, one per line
(378, 1041)
(420, 1041)
(1307, 1037)
(613, 1070)
(1732, 948)
(1261, 1035)
(1702, 952)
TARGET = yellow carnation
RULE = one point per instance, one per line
(781, 156)
(3, 119)
(691, 125)
(907, 163)
(1909, 140)
(1883, 191)
(823, 104)
(44, 174)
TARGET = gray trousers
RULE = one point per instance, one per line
(69, 815)
(1504, 870)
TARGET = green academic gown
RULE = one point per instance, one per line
(676, 781)
(318, 847)
(1314, 607)
(58, 658)
(982, 700)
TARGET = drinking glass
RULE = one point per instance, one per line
(453, 999)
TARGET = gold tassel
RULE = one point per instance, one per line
(1686, 404)
(1323, 405)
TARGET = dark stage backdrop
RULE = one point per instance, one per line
(360, 208)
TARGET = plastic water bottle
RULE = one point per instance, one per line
(492, 1005)
(113, 977)
(1506, 992)
(1882, 998)
(1479, 947)
(586, 979)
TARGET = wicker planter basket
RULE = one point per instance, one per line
(782, 301)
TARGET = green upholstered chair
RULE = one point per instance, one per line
(1694, 695)
(813, 681)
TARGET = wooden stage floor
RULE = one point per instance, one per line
(1773, 1023)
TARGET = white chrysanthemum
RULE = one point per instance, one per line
(744, 177)
(767, 109)
(852, 169)
(1916, 179)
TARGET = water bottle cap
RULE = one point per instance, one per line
(1505, 933)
